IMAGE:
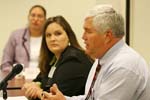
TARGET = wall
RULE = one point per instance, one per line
(140, 27)
(14, 14)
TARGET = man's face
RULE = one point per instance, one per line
(94, 41)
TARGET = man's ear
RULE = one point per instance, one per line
(108, 36)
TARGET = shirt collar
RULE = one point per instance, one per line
(108, 56)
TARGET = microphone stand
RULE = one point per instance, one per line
(4, 89)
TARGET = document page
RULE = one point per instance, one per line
(15, 98)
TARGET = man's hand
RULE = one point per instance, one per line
(55, 94)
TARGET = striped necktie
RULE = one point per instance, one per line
(94, 79)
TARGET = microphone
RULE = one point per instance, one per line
(15, 70)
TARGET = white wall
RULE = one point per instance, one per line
(140, 27)
(14, 14)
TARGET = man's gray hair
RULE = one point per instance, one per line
(106, 18)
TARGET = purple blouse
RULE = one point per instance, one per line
(17, 49)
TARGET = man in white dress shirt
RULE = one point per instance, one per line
(124, 74)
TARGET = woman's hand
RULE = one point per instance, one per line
(32, 90)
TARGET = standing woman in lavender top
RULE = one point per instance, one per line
(23, 45)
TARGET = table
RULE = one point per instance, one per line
(14, 85)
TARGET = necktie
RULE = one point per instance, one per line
(93, 81)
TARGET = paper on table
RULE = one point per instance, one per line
(15, 98)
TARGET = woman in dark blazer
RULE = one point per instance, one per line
(62, 61)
